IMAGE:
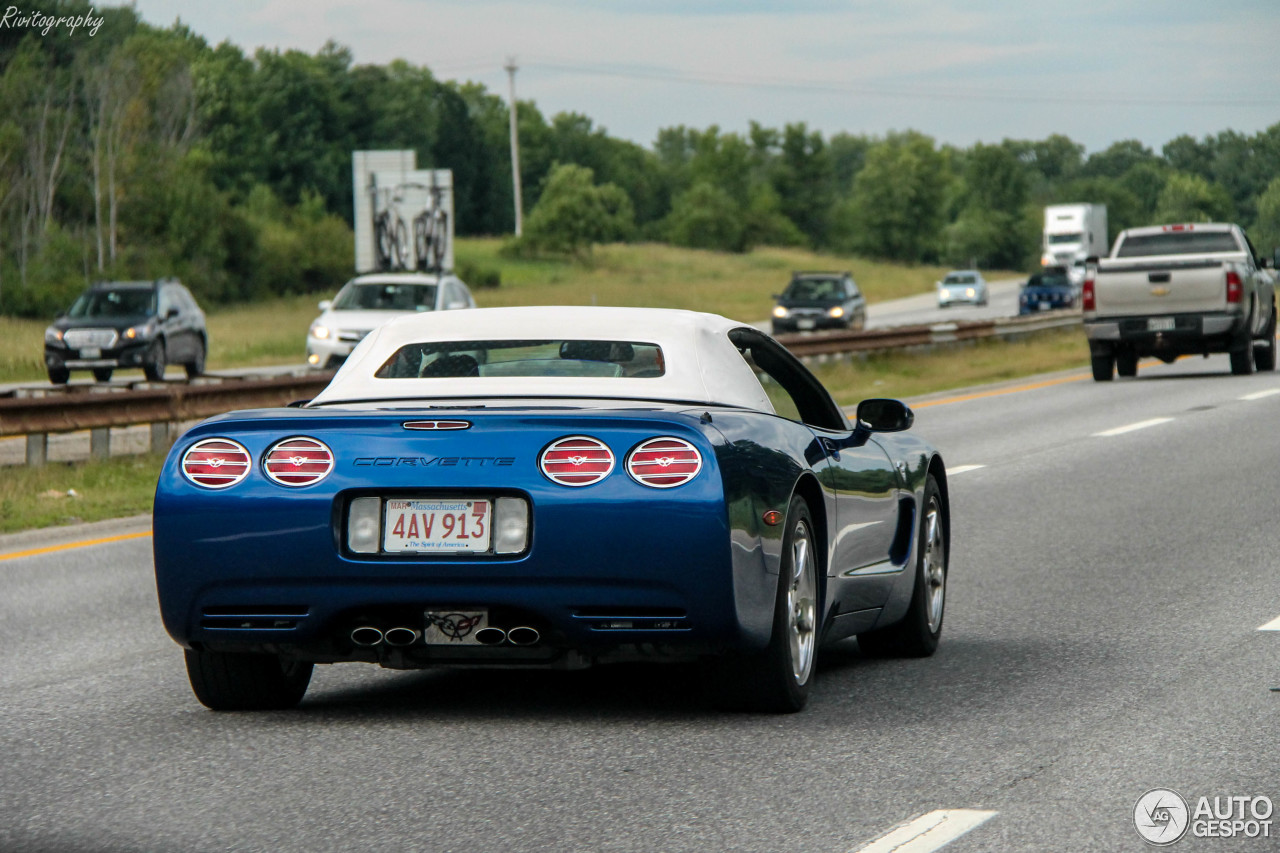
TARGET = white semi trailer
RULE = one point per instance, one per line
(1072, 233)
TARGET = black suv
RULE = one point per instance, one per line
(146, 324)
(819, 300)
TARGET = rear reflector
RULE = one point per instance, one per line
(576, 460)
(298, 461)
(216, 463)
(1088, 301)
(664, 463)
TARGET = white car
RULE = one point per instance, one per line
(962, 286)
(367, 301)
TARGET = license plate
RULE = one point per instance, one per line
(454, 627)
(91, 352)
(1045, 306)
(1159, 324)
(459, 526)
(804, 324)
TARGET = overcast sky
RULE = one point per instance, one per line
(1097, 71)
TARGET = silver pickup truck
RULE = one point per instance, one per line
(1172, 290)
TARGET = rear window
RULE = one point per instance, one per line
(379, 296)
(609, 359)
(1178, 243)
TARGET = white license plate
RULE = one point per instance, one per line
(454, 627)
(804, 324)
(90, 352)
(436, 526)
(1159, 324)
(1045, 306)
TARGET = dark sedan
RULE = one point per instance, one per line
(820, 301)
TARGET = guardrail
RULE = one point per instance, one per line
(37, 412)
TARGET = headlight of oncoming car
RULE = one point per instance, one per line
(836, 312)
(779, 311)
(319, 331)
(52, 335)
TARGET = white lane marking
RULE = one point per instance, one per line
(960, 469)
(1258, 395)
(1273, 625)
(928, 832)
(1131, 427)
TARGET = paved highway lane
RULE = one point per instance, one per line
(1101, 640)
(922, 309)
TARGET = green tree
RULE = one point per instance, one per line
(1190, 198)
(895, 210)
(573, 212)
(1266, 230)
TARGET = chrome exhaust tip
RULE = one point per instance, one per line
(400, 636)
(490, 636)
(523, 636)
(366, 635)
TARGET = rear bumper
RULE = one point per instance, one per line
(1189, 333)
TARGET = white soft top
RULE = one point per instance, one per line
(702, 365)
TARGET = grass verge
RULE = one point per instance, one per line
(37, 497)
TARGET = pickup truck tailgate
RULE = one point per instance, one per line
(1158, 286)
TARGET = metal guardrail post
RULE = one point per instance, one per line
(161, 437)
(37, 449)
(100, 443)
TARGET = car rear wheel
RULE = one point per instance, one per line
(225, 681)
(1104, 365)
(918, 633)
(1264, 349)
(1242, 359)
(155, 363)
(1127, 363)
(777, 680)
(195, 367)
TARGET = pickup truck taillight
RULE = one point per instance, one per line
(1235, 290)
(1087, 300)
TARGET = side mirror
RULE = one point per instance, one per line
(884, 415)
(325, 304)
(171, 313)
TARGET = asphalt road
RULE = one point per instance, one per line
(1113, 559)
(922, 309)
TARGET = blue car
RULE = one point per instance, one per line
(557, 488)
(1047, 291)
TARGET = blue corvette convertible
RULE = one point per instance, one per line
(551, 487)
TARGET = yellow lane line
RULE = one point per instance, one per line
(84, 544)
(999, 391)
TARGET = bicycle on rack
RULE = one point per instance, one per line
(391, 236)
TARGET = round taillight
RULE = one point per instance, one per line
(216, 463)
(664, 462)
(298, 461)
(576, 461)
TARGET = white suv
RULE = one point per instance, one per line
(368, 301)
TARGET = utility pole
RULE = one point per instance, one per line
(515, 146)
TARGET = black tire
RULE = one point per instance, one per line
(1264, 349)
(400, 245)
(1103, 364)
(917, 635)
(1242, 359)
(59, 375)
(156, 361)
(246, 682)
(1127, 363)
(102, 374)
(382, 241)
(195, 367)
(777, 680)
